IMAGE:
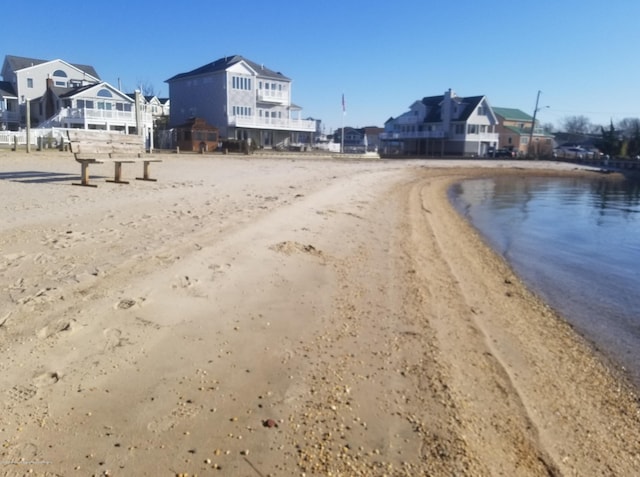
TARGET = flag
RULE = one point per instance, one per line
(344, 105)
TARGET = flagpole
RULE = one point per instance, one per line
(342, 135)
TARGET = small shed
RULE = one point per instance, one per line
(196, 135)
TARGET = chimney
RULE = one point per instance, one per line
(447, 107)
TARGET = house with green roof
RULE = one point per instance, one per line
(514, 130)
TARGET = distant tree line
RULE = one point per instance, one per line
(619, 139)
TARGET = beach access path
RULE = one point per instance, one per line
(249, 315)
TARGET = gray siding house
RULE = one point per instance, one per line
(243, 99)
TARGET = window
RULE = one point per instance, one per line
(59, 78)
(81, 103)
(29, 82)
(104, 93)
(241, 111)
(473, 129)
(241, 82)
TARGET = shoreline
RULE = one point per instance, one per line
(273, 316)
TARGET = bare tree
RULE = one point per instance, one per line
(629, 132)
(576, 125)
(628, 126)
(146, 88)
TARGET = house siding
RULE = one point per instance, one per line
(442, 125)
(227, 94)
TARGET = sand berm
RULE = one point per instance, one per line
(284, 316)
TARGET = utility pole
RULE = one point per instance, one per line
(533, 123)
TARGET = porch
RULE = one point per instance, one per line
(107, 119)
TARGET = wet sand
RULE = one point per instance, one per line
(284, 316)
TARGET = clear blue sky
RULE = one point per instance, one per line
(582, 54)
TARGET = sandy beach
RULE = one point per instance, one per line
(284, 316)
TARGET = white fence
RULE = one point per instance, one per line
(39, 137)
(49, 137)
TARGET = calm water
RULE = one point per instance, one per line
(576, 242)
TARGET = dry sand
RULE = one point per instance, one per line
(285, 317)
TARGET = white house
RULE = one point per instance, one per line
(243, 99)
(95, 106)
(442, 125)
(60, 94)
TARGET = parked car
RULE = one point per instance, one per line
(573, 152)
(501, 153)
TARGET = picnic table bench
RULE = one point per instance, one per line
(99, 147)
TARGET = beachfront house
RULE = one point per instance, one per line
(61, 94)
(9, 110)
(514, 128)
(243, 99)
(445, 125)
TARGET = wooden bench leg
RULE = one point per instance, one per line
(117, 174)
(84, 175)
(145, 173)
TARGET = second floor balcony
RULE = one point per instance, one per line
(68, 117)
(387, 136)
(303, 125)
(271, 96)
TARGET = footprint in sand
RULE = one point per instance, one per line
(289, 248)
(46, 379)
(179, 413)
(191, 285)
(55, 328)
(18, 393)
(218, 270)
(113, 338)
(21, 452)
(125, 304)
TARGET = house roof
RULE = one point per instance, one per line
(71, 92)
(18, 63)
(434, 107)
(6, 89)
(223, 64)
(512, 114)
